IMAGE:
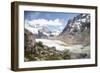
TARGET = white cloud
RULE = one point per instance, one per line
(45, 22)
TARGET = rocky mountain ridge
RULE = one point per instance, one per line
(79, 23)
(77, 30)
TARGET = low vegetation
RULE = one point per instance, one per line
(41, 52)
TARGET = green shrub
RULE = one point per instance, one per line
(40, 44)
(66, 54)
(53, 57)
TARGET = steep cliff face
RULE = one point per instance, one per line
(77, 30)
(29, 40)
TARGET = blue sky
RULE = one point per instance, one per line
(57, 18)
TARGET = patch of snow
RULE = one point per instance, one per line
(46, 34)
(31, 29)
(83, 20)
(55, 33)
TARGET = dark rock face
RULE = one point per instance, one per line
(29, 40)
(41, 35)
(77, 29)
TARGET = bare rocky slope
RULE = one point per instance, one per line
(77, 30)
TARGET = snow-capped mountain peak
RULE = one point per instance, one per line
(40, 30)
(79, 23)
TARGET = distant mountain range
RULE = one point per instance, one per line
(41, 31)
(77, 30)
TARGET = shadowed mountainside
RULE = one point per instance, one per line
(77, 30)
